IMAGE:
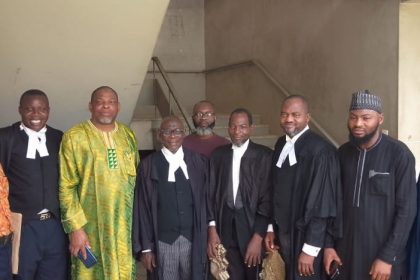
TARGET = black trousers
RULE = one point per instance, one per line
(44, 253)
(237, 269)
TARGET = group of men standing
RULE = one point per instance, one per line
(320, 208)
(323, 210)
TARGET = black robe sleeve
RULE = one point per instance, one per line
(263, 213)
(143, 232)
(323, 204)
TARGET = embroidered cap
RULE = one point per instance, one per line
(365, 100)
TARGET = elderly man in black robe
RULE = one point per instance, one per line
(239, 198)
(379, 192)
(305, 172)
(169, 222)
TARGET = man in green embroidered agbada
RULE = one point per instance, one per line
(98, 160)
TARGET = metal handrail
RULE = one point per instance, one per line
(271, 78)
(171, 88)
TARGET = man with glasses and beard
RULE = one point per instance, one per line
(204, 140)
(379, 197)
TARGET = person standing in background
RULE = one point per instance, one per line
(204, 140)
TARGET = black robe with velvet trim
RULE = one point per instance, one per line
(145, 231)
(254, 188)
(306, 198)
(379, 190)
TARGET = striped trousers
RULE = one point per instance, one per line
(174, 260)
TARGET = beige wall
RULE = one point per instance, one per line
(322, 49)
(180, 47)
(68, 48)
(409, 82)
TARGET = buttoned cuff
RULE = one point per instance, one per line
(212, 223)
(270, 228)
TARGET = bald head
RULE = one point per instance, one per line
(300, 98)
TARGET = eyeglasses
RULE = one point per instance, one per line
(174, 132)
(204, 115)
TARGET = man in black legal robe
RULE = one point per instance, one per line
(239, 198)
(169, 215)
(305, 173)
(379, 194)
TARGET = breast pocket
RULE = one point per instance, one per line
(379, 183)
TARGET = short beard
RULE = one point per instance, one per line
(106, 120)
(240, 143)
(362, 140)
(204, 131)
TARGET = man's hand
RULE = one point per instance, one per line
(380, 270)
(78, 241)
(148, 260)
(305, 265)
(330, 255)
(269, 242)
(253, 251)
(213, 241)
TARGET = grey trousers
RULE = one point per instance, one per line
(175, 259)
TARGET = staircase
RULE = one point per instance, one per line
(146, 121)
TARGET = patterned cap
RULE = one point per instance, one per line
(365, 100)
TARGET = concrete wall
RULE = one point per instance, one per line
(409, 82)
(180, 47)
(68, 48)
(322, 49)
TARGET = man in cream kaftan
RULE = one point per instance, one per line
(98, 171)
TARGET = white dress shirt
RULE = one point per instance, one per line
(238, 152)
